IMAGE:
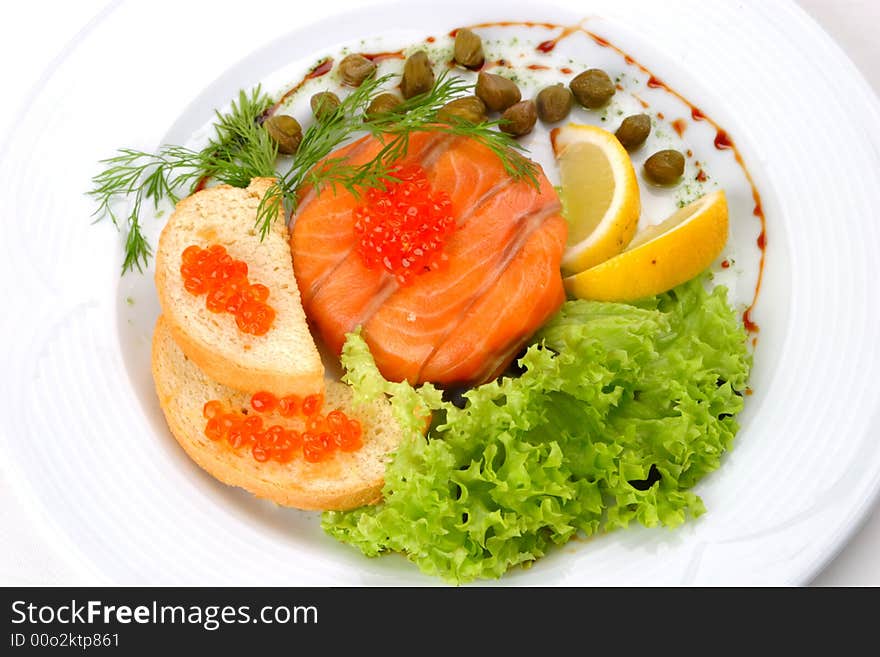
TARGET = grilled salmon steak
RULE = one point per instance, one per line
(460, 323)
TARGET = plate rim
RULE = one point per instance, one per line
(858, 514)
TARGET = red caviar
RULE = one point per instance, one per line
(211, 409)
(289, 406)
(213, 272)
(404, 226)
(264, 402)
(312, 404)
(323, 435)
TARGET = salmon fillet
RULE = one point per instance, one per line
(463, 323)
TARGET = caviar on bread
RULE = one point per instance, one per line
(230, 298)
(314, 453)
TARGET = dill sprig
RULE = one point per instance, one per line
(319, 140)
(417, 114)
(240, 150)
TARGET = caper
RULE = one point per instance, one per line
(382, 104)
(634, 130)
(519, 118)
(592, 88)
(554, 103)
(469, 109)
(418, 76)
(355, 68)
(285, 131)
(665, 167)
(468, 49)
(496, 91)
(324, 103)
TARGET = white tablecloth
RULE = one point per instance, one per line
(29, 41)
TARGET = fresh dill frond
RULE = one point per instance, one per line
(137, 249)
(319, 140)
(419, 114)
(240, 150)
(393, 128)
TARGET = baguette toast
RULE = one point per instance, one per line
(283, 361)
(345, 481)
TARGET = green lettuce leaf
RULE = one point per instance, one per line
(620, 411)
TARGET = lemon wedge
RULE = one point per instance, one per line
(600, 194)
(660, 257)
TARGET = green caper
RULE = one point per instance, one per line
(355, 68)
(592, 88)
(554, 103)
(382, 104)
(469, 109)
(519, 118)
(285, 131)
(496, 91)
(468, 49)
(418, 76)
(634, 130)
(665, 167)
(324, 103)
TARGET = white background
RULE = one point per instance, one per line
(33, 34)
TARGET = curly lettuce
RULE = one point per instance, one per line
(620, 410)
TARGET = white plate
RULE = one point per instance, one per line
(83, 433)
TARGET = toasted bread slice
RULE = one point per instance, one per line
(283, 361)
(346, 481)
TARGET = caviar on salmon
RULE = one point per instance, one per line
(404, 225)
(459, 323)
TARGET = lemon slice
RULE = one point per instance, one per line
(661, 256)
(600, 194)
